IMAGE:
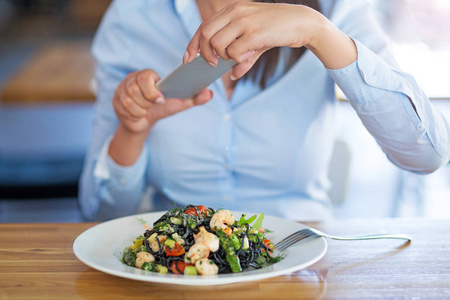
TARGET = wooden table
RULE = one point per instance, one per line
(60, 71)
(37, 262)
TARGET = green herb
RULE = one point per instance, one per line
(142, 248)
(129, 257)
(149, 266)
(258, 222)
(141, 221)
(267, 260)
(243, 221)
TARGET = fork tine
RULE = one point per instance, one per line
(293, 242)
(292, 239)
(289, 237)
(293, 235)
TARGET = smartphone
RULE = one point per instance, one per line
(190, 79)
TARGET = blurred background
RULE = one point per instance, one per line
(46, 109)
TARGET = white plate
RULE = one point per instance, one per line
(101, 246)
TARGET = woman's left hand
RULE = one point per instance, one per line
(244, 31)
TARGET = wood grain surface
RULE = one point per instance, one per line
(37, 262)
(58, 72)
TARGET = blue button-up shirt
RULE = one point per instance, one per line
(262, 150)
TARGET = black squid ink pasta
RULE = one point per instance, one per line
(196, 240)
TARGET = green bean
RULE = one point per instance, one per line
(227, 245)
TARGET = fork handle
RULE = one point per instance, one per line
(371, 237)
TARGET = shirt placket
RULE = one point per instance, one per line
(190, 16)
(227, 187)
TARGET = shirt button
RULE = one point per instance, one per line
(226, 197)
(420, 126)
(373, 79)
(226, 166)
(227, 117)
(122, 181)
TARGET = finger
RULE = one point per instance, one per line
(239, 48)
(129, 104)
(192, 48)
(133, 92)
(119, 95)
(224, 37)
(122, 112)
(173, 106)
(207, 52)
(146, 80)
(203, 97)
(208, 30)
(240, 69)
(210, 26)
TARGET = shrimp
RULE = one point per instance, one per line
(207, 238)
(205, 266)
(198, 251)
(143, 257)
(221, 219)
(153, 243)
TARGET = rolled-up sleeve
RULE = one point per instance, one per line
(391, 105)
(118, 189)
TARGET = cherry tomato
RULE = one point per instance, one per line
(177, 250)
(193, 212)
(269, 245)
(179, 266)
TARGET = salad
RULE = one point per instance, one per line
(196, 240)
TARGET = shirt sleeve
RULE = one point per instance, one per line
(389, 102)
(108, 190)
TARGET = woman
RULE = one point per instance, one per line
(260, 143)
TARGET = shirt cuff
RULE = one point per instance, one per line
(126, 176)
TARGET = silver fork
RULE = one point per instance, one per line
(306, 233)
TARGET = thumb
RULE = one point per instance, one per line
(240, 69)
(203, 97)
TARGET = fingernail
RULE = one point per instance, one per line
(232, 77)
(160, 100)
(247, 55)
(185, 57)
(211, 63)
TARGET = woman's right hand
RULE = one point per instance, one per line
(139, 104)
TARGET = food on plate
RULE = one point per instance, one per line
(196, 240)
